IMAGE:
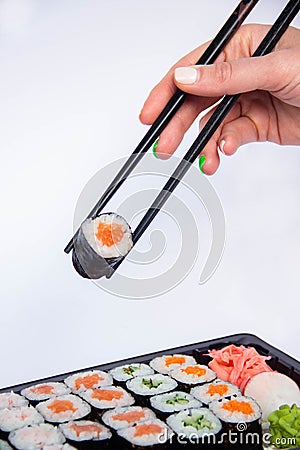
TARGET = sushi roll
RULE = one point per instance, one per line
(88, 380)
(166, 363)
(14, 418)
(101, 242)
(12, 400)
(63, 409)
(151, 385)
(216, 390)
(108, 397)
(128, 371)
(236, 409)
(45, 391)
(127, 417)
(36, 437)
(149, 433)
(85, 431)
(175, 401)
(193, 374)
(195, 426)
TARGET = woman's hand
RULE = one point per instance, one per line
(267, 110)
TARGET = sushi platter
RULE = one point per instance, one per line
(231, 392)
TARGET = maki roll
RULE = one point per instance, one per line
(128, 371)
(166, 363)
(36, 437)
(149, 433)
(88, 380)
(85, 431)
(236, 409)
(101, 243)
(127, 417)
(151, 385)
(108, 397)
(12, 400)
(216, 390)
(173, 402)
(40, 392)
(64, 408)
(14, 418)
(196, 374)
(195, 425)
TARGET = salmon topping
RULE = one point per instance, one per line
(220, 389)
(236, 406)
(109, 233)
(43, 389)
(59, 406)
(102, 394)
(194, 370)
(78, 429)
(129, 416)
(88, 381)
(144, 429)
(170, 360)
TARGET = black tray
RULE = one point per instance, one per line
(279, 361)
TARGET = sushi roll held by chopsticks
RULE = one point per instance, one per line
(100, 244)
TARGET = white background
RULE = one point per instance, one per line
(73, 77)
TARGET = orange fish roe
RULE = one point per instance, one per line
(43, 389)
(194, 370)
(108, 395)
(170, 360)
(109, 233)
(59, 406)
(130, 417)
(220, 389)
(237, 406)
(78, 429)
(141, 430)
(88, 382)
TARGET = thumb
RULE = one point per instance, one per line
(232, 77)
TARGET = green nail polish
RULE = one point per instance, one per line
(154, 148)
(201, 162)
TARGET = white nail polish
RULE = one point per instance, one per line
(222, 145)
(186, 75)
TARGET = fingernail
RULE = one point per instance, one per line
(222, 145)
(154, 149)
(186, 75)
(202, 162)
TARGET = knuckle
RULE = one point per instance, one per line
(223, 72)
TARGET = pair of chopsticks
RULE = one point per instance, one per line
(209, 56)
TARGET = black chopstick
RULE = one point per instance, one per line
(266, 46)
(209, 56)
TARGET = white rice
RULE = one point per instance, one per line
(151, 385)
(83, 381)
(174, 401)
(235, 417)
(56, 389)
(13, 418)
(117, 424)
(202, 392)
(90, 227)
(128, 371)
(185, 378)
(147, 439)
(58, 447)
(12, 400)
(160, 363)
(100, 434)
(91, 397)
(79, 409)
(36, 437)
(205, 423)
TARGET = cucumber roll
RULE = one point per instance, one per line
(151, 385)
(173, 402)
(128, 371)
(100, 244)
